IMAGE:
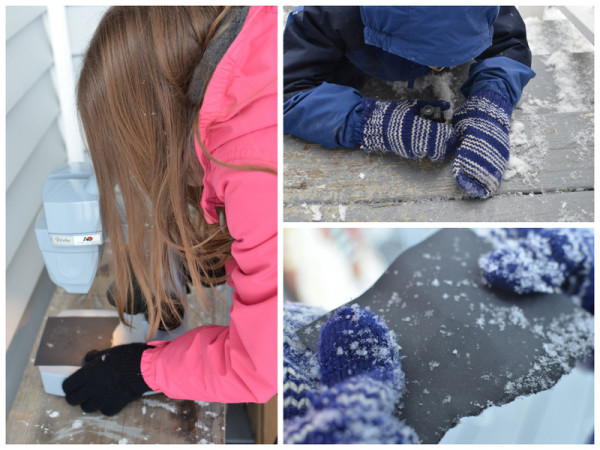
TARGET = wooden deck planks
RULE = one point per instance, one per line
(548, 207)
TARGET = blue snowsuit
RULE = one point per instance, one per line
(329, 51)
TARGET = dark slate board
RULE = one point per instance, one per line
(467, 347)
(66, 340)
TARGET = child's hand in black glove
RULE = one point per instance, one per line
(108, 380)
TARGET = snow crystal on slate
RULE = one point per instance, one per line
(570, 336)
(500, 316)
(433, 365)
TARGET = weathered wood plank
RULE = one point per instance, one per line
(547, 207)
(548, 36)
(564, 82)
(37, 417)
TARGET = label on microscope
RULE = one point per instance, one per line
(78, 239)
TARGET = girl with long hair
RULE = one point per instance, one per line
(179, 109)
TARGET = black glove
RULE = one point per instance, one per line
(108, 380)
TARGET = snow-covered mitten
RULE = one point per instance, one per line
(482, 123)
(354, 342)
(362, 384)
(544, 260)
(300, 365)
(390, 126)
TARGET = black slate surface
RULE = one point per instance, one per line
(467, 347)
(66, 340)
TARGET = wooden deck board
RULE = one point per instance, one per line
(37, 417)
(577, 206)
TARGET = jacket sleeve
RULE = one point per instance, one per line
(505, 66)
(235, 363)
(315, 107)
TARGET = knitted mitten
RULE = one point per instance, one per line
(543, 260)
(396, 127)
(363, 382)
(354, 342)
(300, 365)
(483, 124)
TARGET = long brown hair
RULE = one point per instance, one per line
(139, 122)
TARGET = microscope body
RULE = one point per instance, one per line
(71, 239)
(69, 227)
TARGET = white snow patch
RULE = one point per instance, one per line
(317, 214)
(570, 94)
(516, 166)
(570, 40)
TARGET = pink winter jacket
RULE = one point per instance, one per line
(238, 125)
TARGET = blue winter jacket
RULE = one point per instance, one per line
(329, 51)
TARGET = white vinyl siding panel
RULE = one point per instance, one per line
(28, 57)
(27, 123)
(23, 202)
(21, 278)
(18, 18)
(24, 197)
(34, 147)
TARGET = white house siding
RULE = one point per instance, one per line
(34, 146)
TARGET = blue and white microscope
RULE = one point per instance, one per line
(70, 236)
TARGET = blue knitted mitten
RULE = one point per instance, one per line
(482, 123)
(354, 342)
(389, 126)
(543, 260)
(300, 365)
(363, 383)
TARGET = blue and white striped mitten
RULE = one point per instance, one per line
(390, 126)
(482, 123)
(301, 375)
(542, 260)
(362, 382)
